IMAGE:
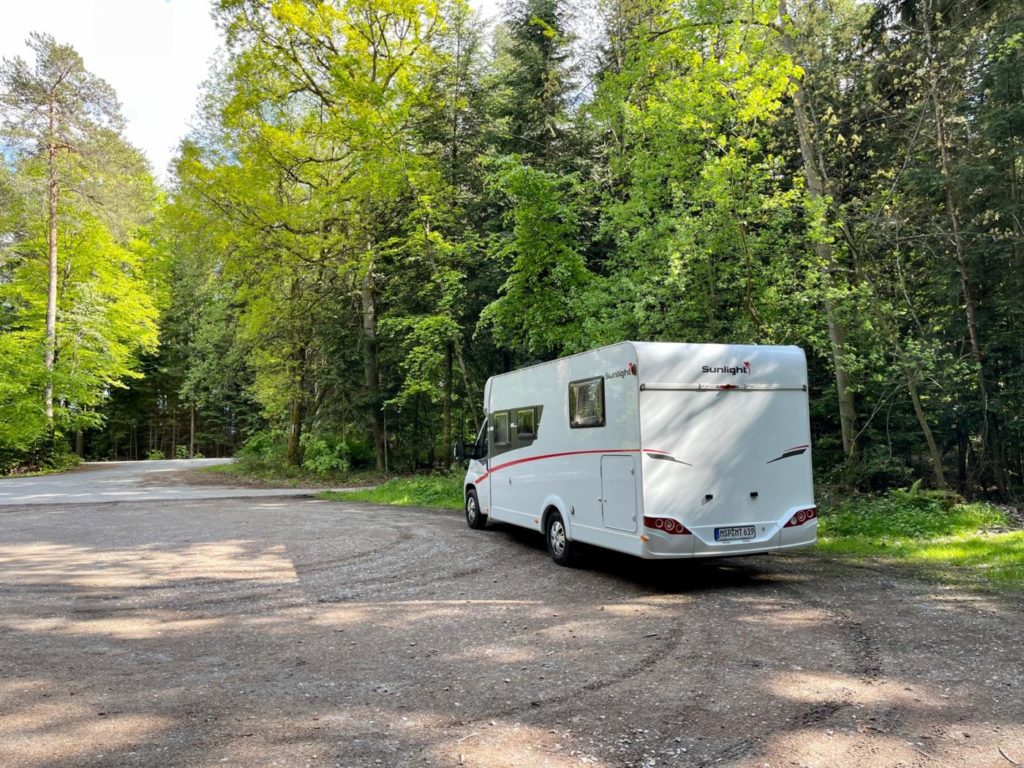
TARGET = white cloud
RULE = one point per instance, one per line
(155, 53)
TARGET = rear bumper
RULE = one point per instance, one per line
(661, 546)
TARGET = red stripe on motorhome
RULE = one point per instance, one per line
(559, 455)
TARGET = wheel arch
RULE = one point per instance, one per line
(555, 504)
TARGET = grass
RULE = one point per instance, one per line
(443, 491)
(970, 544)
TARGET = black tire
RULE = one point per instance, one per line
(475, 518)
(559, 546)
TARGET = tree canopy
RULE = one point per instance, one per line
(387, 201)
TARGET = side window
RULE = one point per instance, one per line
(500, 433)
(586, 403)
(481, 442)
(526, 423)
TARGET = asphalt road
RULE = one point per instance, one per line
(95, 482)
(297, 632)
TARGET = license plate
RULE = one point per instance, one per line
(734, 533)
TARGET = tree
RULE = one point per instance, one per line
(535, 76)
(54, 108)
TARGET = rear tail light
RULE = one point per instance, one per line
(666, 524)
(801, 517)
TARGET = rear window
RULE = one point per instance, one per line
(586, 403)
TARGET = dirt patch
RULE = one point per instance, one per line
(203, 478)
(206, 479)
(278, 631)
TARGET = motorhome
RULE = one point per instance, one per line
(659, 450)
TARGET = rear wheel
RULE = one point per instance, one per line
(474, 517)
(559, 546)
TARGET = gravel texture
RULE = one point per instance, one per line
(297, 632)
(152, 481)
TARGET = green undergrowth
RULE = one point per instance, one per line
(62, 462)
(281, 475)
(972, 544)
(438, 490)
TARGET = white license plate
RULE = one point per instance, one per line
(734, 533)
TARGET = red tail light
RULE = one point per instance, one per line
(666, 524)
(801, 517)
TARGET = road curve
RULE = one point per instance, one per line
(103, 482)
(300, 632)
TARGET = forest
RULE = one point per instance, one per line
(384, 202)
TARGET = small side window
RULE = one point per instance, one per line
(526, 423)
(501, 433)
(586, 403)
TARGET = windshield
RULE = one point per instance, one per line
(480, 450)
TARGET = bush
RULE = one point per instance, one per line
(268, 445)
(324, 454)
(877, 470)
(155, 455)
(181, 452)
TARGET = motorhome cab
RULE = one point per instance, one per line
(657, 450)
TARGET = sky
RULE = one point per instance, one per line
(155, 53)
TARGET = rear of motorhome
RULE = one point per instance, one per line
(658, 450)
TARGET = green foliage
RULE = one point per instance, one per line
(902, 514)
(59, 136)
(533, 79)
(878, 469)
(60, 460)
(537, 311)
(155, 456)
(381, 207)
(325, 454)
(949, 539)
(441, 491)
(266, 446)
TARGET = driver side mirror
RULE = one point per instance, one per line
(462, 451)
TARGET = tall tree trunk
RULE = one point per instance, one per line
(844, 390)
(192, 431)
(371, 368)
(295, 431)
(990, 448)
(470, 388)
(295, 408)
(938, 476)
(447, 428)
(50, 353)
(818, 190)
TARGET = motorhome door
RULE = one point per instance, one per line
(618, 493)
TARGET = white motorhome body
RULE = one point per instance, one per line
(659, 450)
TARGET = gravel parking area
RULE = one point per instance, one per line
(297, 632)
